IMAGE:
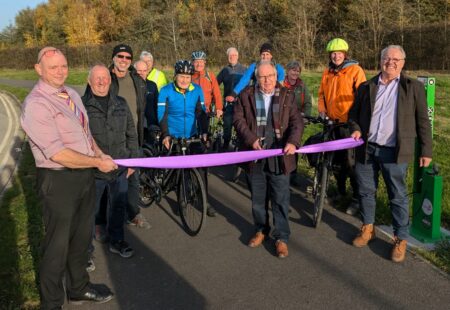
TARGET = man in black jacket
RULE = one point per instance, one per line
(126, 82)
(389, 112)
(230, 75)
(113, 129)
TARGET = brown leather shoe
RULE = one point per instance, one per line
(366, 234)
(282, 249)
(399, 250)
(256, 240)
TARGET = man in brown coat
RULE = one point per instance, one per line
(266, 116)
(389, 113)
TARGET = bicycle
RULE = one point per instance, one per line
(187, 183)
(215, 132)
(150, 179)
(322, 164)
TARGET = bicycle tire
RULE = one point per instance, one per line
(149, 190)
(320, 191)
(191, 196)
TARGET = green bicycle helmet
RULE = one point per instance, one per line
(337, 44)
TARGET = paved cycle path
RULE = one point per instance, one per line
(216, 270)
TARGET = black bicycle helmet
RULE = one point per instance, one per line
(184, 67)
(198, 55)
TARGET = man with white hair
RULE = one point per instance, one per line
(266, 117)
(154, 75)
(230, 75)
(113, 129)
(151, 98)
(389, 113)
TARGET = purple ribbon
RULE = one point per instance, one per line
(221, 159)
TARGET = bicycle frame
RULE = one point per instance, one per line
(323, 168)
(187, 183)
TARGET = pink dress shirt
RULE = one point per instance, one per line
(52, 126)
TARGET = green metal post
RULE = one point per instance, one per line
(427, 186)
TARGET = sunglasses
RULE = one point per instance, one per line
(123, 56)
(49, 53)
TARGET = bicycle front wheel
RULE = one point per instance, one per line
(191, 195)
(320, 192)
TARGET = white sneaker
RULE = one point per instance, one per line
(140, 221)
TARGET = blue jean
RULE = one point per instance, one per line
(384, 159)
(227, 122)
(116, 191)
(265, 185)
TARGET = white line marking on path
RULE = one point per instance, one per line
(12, 122)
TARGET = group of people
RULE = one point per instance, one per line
(86, 196)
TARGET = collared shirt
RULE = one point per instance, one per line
(384, 117)
(52, 126)
(267, 100)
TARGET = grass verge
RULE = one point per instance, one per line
(76, 76)
(20, 234)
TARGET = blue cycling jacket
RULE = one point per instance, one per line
(178, 111)
(245, 80)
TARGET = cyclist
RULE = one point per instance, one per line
(181, 113)
(266, 54)
(154, 74)
(336, 94)
(208, 82)
(230, 75)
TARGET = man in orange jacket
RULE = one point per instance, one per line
(336, 94)
(208, 82)
(211, 92)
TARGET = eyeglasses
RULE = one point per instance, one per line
(49, 53)
(267, 77)
(123, 56)
(394, 60)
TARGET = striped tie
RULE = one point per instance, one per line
(76, 110)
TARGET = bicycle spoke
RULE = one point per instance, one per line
(192, 200)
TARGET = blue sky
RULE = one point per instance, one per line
(11, 7)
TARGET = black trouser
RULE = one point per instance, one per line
(133, 195)
(68, 204)
(227, 122)
(345, 166)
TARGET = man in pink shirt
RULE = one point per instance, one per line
(65, 153)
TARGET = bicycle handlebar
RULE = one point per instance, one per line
(324, 121)
(184, 141)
